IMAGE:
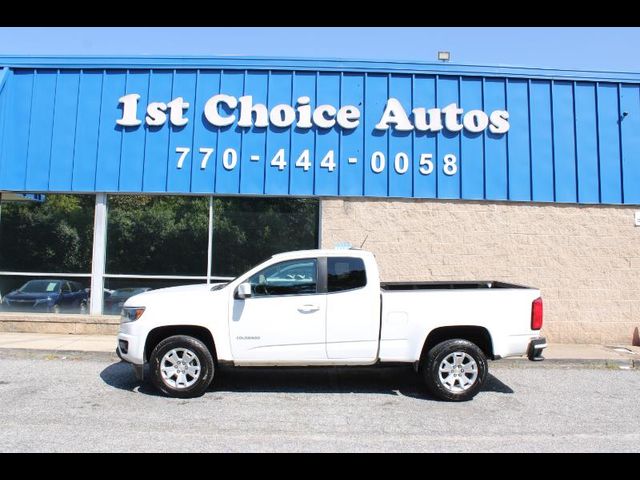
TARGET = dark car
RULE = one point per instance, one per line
(114, 302)
(54, 296)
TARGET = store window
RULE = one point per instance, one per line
(45, 252)
(51, 234)
(152, 241)
(247, 231)
(118, 290)
(157, 235)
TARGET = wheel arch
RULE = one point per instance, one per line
(476, 334)
(158, 334)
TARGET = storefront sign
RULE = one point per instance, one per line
(247, 114)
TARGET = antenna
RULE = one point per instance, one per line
(365, 239)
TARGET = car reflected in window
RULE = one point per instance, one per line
(114, 302)
(50, 295)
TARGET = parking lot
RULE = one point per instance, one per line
(93, 403)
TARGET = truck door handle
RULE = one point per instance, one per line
(308, 308)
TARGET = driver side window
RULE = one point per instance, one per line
(293, 277)
(66, 288)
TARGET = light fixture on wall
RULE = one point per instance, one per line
(444, 56)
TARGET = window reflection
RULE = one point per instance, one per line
(294, 277)
(247, 231)
(44, 294)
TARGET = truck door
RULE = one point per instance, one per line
(284, 319)
(353, 310)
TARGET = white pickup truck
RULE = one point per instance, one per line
(328, 307)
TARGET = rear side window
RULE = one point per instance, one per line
(345, 273)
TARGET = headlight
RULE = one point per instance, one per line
(131, 314)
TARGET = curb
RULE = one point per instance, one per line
(622, 364)
(44, 354)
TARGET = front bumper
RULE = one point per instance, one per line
(130, 347)
(534, 352)
(137, 369)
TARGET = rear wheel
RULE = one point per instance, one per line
(181, 366)
(454, 370)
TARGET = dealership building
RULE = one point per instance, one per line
(122, 173)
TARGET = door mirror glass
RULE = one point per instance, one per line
(244, 290)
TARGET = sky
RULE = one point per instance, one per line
(576, 48)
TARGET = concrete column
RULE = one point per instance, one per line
(99, 254)
(210, 245)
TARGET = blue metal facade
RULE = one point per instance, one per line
(574, 137)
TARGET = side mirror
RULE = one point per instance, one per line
(244, 290)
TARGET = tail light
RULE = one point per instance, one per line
(536, 314)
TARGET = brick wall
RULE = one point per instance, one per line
(585, 259)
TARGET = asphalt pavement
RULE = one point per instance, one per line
(87, 402)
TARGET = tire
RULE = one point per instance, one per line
(456, 383)
(55, 309)
(192, 377)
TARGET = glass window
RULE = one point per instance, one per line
(157, 235)
(46, 233)
(247, 231)
(119, 290)
(293, 277)
(345, 273)
(47, 294)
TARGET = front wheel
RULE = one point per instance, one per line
(181, 366)
(454, 370)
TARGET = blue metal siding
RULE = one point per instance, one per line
(278, 138)
(448, 186)
(495, 146)
(609, 144)
(376, 93)
(351, 141)
(64, 131)
(424, 143)
(518, 140)
(87, 128)
(133, 139)
(587, 143)
(40, 129)
(541, 142)
(571, 138)
(156, 155)
(564, 143)
(179, 179)
(471, 144)
(205, 136)
(229, 138)
(328, 140)
(630, 141)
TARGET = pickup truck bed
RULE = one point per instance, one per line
(463, 285)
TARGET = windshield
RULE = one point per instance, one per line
(40, 286)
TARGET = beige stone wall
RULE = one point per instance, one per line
(585, 259)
